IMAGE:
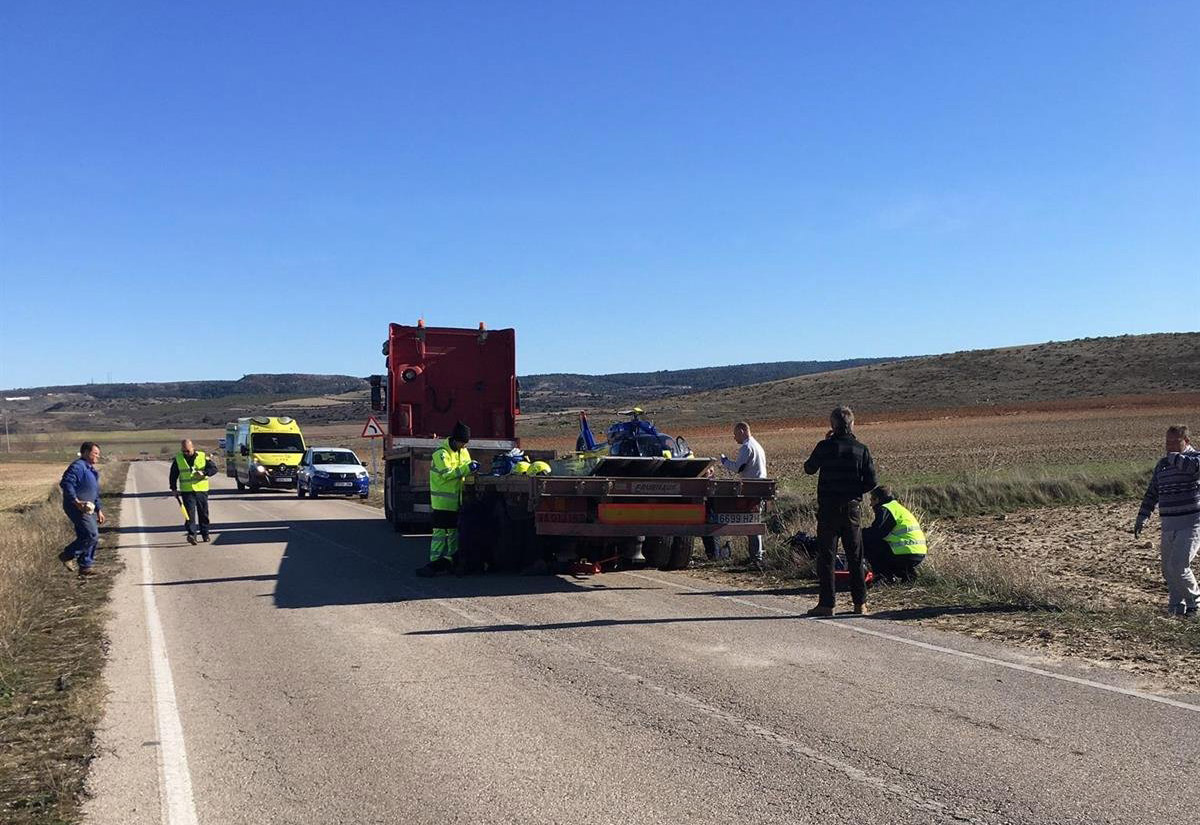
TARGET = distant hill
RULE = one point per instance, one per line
(331, 399)
(183, 404)
(260, 384)
(560, 390)
(1037, 374)
(1024, 376)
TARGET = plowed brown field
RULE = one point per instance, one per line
(957, 445)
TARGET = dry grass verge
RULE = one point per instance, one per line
(1022, 489)
(52, 651)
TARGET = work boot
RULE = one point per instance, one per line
(86, 571)
(204, 538)
(819, 612)
(435, 568)
(70, 563)
(191, 539)
(860, 610)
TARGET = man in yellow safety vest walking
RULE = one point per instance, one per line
(190, 472)
(895, 543)
(451, 464)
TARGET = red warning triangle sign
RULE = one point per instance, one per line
(372, 429)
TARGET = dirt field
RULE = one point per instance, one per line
(946, 447)
(1088, 559)
(26, 483)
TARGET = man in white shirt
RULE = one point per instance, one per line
(750, 462)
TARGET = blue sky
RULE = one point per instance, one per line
(228, 188)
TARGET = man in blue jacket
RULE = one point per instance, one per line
(81, 502)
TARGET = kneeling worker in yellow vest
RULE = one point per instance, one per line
(450, 465)
(895, 543)
(190, 471)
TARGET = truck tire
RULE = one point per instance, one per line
(657, 550)
(681, 552)
(510, 545)
(387, 494)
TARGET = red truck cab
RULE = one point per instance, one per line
(436, 377)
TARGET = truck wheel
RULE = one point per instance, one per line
(657, 550)
(506, 556)
(681, 552)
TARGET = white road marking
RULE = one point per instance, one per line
(175, 782)
(854, 626)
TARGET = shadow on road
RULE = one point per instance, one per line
(355, 561)
(150, 494)
(215, 528)
(245, 495)
(945, 610)
(807, 590)
(506, 628)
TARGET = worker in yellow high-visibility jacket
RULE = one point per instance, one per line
(190, 471)
(895, 543)
(450, 465)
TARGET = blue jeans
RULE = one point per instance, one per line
(87, 536)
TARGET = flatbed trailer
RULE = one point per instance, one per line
(609, 522)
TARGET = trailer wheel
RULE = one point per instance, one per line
(507, 553)
(681, 552)
(657, 550)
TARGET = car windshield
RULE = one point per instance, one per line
(334, 457)
(277, 443)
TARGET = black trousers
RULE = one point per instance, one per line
(196, 505)
(840, 521)
(885, 563)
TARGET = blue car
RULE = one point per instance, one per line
(333, 471)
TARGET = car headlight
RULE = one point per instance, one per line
(320, 474)
(362, 473)
(258, 468)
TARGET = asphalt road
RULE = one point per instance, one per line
(295, 671)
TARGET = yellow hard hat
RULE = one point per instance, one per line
(521, 468)
(539, 468)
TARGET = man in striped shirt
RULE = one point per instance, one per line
(1175, 490)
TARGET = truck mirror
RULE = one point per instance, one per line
(245, 450)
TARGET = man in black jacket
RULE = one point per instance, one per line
(847, 471)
